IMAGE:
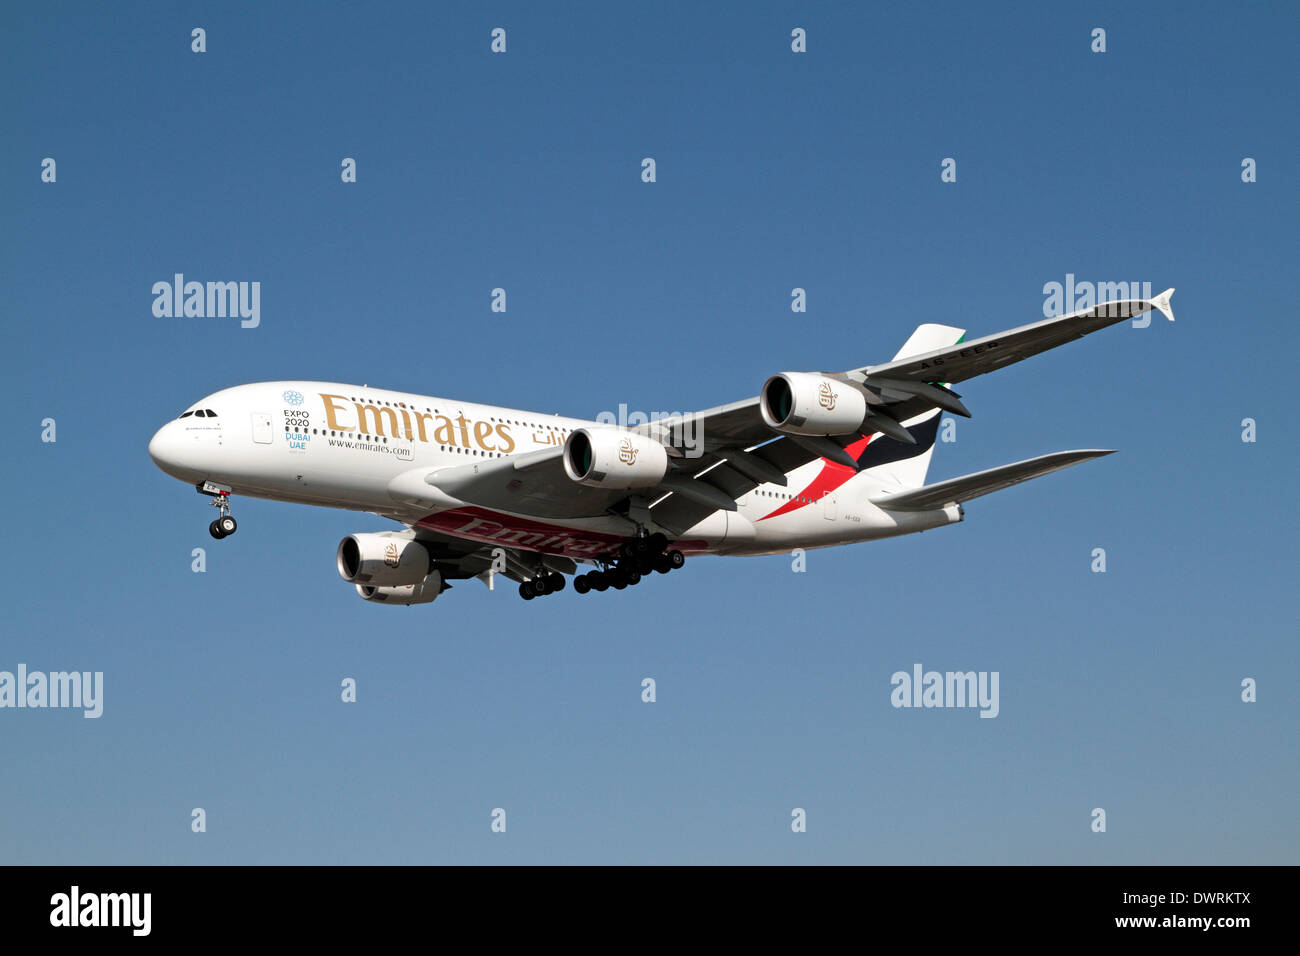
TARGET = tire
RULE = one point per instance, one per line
(676, 559)
(658, 542)
(633, 578)
(645, 565)
(228, 525)
(537, 587)
(662, 564)
(525, 591)
(599, 580)
(557, 582)
(215, 531)
(581, 584)
(640, 546)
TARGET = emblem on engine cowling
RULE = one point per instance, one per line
(627, 452)
(391, 556)
(826, 396)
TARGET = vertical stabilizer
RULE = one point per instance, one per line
(898, 462)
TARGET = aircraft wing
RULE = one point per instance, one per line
(978, 356)
(530, 484)
(719, 454)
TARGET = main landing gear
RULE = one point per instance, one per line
(225, 525)
(547, 582)
(637, 559)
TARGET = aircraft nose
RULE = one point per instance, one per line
(166, 447)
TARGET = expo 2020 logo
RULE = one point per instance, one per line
(292, 398)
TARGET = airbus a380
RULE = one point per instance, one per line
(816, 459)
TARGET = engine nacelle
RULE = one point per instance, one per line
(804, 403)
(613, 458)
(422, 593)
(382, 561)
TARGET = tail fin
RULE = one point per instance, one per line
(895, 461)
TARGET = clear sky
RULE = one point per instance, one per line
(775, 170)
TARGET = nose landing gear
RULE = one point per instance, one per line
(225, 525)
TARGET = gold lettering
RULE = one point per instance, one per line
(377, 412)
(406, 421)
(504, 432)
(481, 431)
(464, 435)
(445, 434)
(419, 421)
(330, 411)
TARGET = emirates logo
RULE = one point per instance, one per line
(391, 555)
(627, 452)
(826, 396)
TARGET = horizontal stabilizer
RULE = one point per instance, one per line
(956, 490)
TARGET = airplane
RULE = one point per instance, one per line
(815, 460)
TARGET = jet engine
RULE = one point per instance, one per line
(382, 561)
(804, 403)
(614, 458)
(422, 593)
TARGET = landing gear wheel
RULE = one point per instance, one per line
(581, 584)
(640, 546)
(599, 581)
(525, 592)
(557, 583)
(633, 577)
(662, 564)
(225, 525)
(658, 542)
(676, 559)
(537, 586)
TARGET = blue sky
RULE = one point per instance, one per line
(775, 170)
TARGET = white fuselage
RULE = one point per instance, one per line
(341, 446)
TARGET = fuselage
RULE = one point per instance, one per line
(341, 446)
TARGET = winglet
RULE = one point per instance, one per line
(1161, 302)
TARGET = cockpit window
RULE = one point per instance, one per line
(186, 414)
(211, 413)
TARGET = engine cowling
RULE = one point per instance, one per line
(422, 593)
(613, 458)
(382, 561)
(804, 403)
